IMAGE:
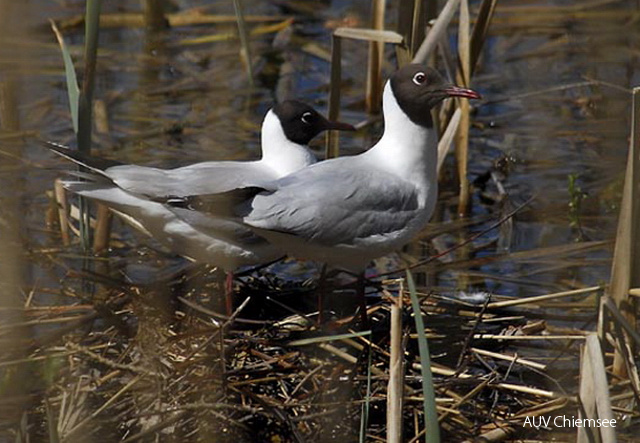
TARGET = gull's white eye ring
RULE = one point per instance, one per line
(419, 78)
(306, 118)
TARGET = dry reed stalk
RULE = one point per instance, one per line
(16, 135)
(331, 146)
(438, 30)
(634, 292)
(218, 334)
(513, 358)
(447, 372)
(406, 14)
(192, 18)
(345, 338)
(67, 435)
(476, 42)
(526, 390)
(621, 320)
(460, 401)
(626, 257)
(396, 373)
(527, 337)
(258, 30)
(409, 15)
(102, 116)
(403, 56)
(74, 214)
(480, 30)
(102, 232)
(40, 322)
(373, 96)
(372, 35)
(63, 210)
(245, 51)
(494, 435)
(464, 77)
(594, 392)
(624, 340)
(152, 431)
(556, 9)
(338, 353)
(423, 11)
(49, 356)
(539, 298)
(446, 140)
(412, 18)
(154, 14)
(543, 408)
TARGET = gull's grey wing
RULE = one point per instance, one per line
(222, 229)
(223, 204)
(334, 205)
(199, 179)
(96, 164)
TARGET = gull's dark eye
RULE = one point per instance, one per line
(419, 78)
(306, 118)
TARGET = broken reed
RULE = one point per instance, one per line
(617, 321)
(373, 96)
(625, 270)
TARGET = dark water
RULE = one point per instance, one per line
(170, 103)
(556, 104)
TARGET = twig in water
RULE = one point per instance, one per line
(463, 243)
(470, 335)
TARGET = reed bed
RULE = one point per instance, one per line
(141, 364)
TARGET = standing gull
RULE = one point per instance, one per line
(349, 210)
(136, 192)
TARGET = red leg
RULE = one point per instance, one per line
(322, 288)
(228, 292)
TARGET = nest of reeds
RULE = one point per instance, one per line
(144, 362)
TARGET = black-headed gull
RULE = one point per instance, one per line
(349, 210)
(135, 192)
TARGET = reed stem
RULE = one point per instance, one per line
(396, 374)
(376, 56)
(332, 148)
(626, 257)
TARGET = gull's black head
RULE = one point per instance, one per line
(300, 122)
(418, 88)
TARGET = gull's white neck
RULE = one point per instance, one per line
(406, 149)
(278, 152)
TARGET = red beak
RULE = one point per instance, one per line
(455, 91)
